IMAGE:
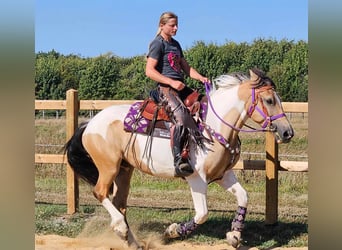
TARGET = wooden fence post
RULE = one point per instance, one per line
(72, 109)
(271, 166)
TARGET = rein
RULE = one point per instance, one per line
(268, 119)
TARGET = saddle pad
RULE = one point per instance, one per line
(135, 122)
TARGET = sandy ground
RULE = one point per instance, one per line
(54, 242)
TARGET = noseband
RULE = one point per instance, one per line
(263, 112)
(252, 108)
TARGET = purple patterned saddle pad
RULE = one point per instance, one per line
(135, 122)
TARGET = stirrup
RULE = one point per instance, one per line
(183, 169)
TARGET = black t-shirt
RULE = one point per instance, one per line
(168, 55)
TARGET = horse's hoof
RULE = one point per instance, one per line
(122, 236)
(171, 231)
(234, 238)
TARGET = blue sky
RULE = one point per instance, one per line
(126, 27)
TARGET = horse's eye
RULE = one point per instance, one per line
(269, 101)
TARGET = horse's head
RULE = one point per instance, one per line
(265, 108)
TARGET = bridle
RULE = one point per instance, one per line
(267, 125)
(263, 112)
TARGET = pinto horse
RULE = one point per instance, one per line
(104, 154)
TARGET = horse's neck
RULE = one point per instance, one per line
(229, 107)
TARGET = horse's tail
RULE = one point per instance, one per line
(79, 159)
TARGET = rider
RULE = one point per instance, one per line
(166, 65)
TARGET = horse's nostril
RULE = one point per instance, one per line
(288, 134)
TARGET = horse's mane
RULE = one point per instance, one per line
(227, 81)
(230, 80)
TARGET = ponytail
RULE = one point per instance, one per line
(158, 31)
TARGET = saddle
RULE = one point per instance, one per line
(149, 117)
(152, 110)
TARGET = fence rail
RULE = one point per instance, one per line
(271, 165)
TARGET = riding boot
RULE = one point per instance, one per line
(180, 154)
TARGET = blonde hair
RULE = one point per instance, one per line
(164, 18)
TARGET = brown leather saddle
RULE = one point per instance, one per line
(153, 111)
(149, 117)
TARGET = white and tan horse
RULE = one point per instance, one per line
(103, 153)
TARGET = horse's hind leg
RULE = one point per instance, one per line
(121, 187)
(108, 165)
(230, 183)
(101, 192)
(120, 195)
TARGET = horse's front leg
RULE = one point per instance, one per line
(230, 183)
(198, 189)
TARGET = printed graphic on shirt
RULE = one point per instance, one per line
(174, 61)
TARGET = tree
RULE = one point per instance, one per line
(234, 57)
(206, 59)
(47, 75)
(292, 75)
(71, 70)
(99, 80)
(133, 83)
(265, 53)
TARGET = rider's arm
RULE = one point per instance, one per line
(190, 71)
(152, 73)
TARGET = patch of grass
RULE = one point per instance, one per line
(280, 235)
(143, 181)
(295, 183)
(52, 219)
(49, 184)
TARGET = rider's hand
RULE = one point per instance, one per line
(204, 79)
(178, 85)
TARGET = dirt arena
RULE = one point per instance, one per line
(104, 242)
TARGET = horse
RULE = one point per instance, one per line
(105, 155)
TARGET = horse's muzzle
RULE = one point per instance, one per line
(282, 135)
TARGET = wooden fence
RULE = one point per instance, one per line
(271, 165)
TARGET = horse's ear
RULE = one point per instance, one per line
(254, 77)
